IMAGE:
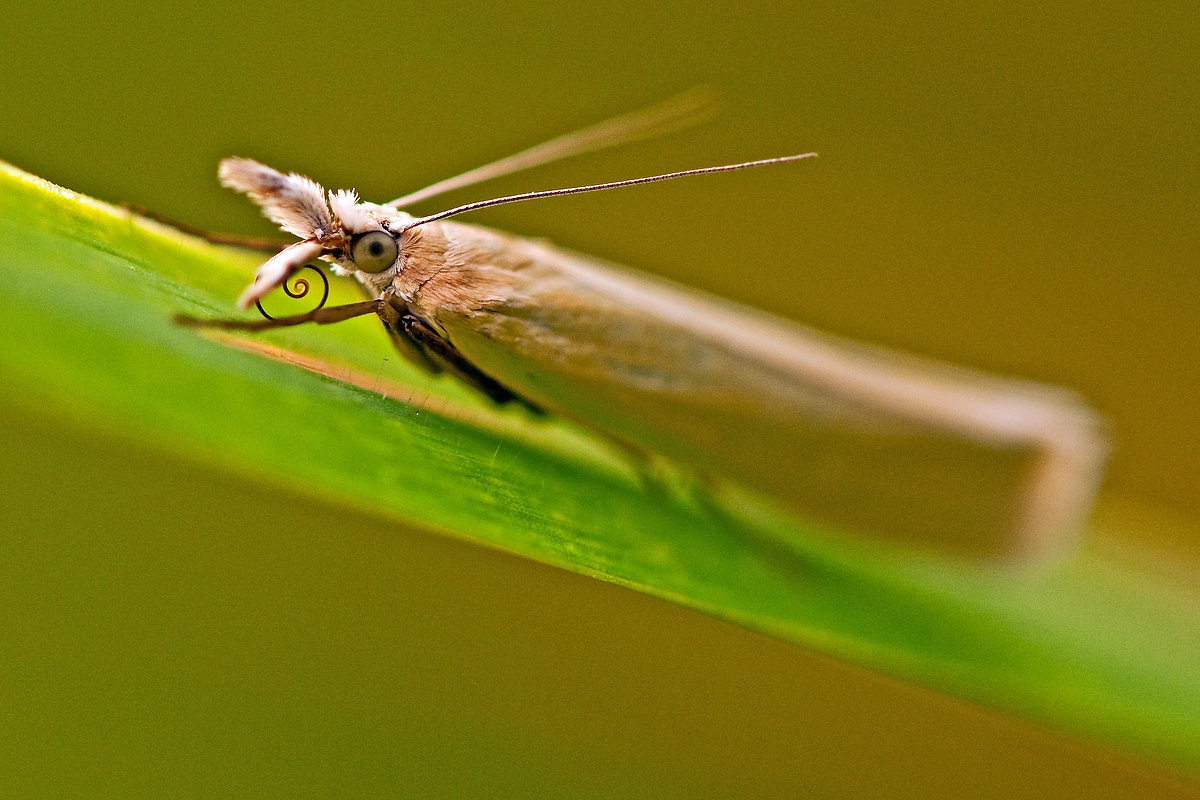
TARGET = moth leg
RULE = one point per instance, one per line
(236, 240)
(704, 490)
(410, 349)
(653, 472)
(452, 361)
(700, 492)
(321, 316)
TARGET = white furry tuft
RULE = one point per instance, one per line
(293, 202)
(346, 209)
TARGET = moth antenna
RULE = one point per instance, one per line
(682, 111)
(596, 187)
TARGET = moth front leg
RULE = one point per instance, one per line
(408, 347)
(454, 362)
(321, 316)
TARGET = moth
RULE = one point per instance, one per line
(852, 437)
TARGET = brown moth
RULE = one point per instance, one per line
(853, 437)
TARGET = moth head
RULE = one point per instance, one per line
(355, 237)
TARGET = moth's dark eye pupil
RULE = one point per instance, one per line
(376, 249)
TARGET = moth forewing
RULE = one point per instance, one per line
(854, 437)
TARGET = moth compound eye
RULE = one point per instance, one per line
(374, 251)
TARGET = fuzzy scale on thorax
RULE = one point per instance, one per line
(449, 268)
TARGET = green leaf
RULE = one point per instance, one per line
(1105, 644)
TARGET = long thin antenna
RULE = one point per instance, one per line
(596, 187)
(682, 111)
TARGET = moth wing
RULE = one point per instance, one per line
(849, 436)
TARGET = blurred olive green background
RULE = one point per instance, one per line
(1013, 188)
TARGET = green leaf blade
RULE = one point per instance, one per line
(1099, 646)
